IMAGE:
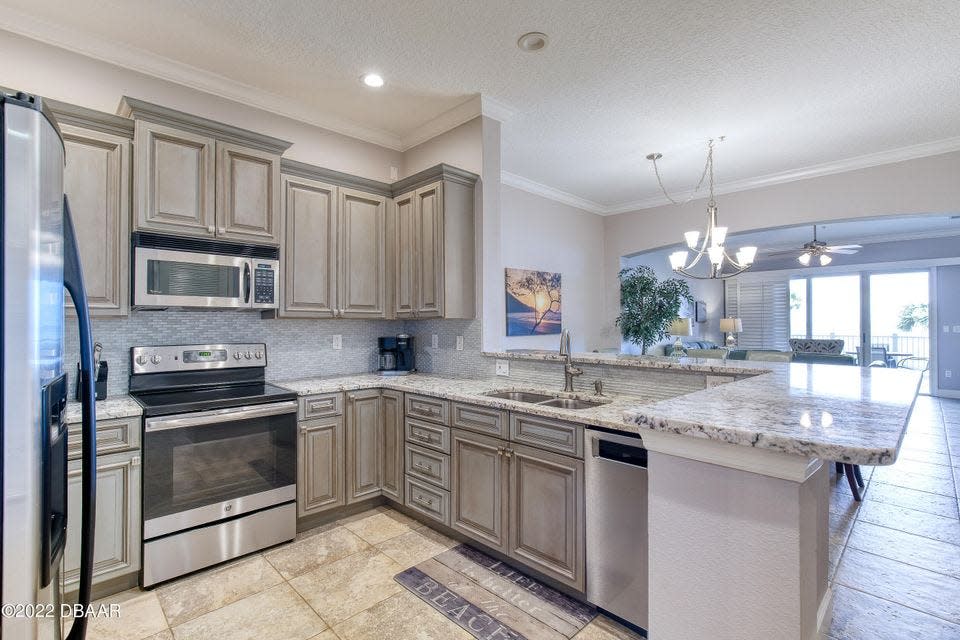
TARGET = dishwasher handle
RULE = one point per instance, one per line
(623, 453)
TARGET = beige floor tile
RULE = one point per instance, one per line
(361, 515)
(943, 486)
(401, 617)
(918, 551)
(413, 547)
(314, 551)
(278, 613)
(402, 518)
(911, 521)
(186, 599)
(377, 527)
(912, 499)
(859, 616)
(140, 616)
(163, 635)
(346, 587)
(326, 635)
(603, 628)
(840, 525)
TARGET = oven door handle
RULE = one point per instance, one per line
(219, 416)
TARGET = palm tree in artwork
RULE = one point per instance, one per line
(540, 290)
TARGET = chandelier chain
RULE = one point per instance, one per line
(707, 168)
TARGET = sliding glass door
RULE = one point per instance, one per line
(898, 331)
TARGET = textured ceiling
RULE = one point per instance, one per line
(791, 84)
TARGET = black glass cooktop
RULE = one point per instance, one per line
(200, 398)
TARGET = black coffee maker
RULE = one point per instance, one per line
(396, 355)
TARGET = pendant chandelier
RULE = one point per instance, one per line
(709, 248)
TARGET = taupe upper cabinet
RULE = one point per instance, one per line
(362, 290)
(96, 180)
(309, 248)
(433, 245)
(202, 178)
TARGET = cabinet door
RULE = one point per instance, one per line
(547, 513)
(362, 283)
(248, 194)
(429, 251)
(391, 406)
(479, 488)
(364, 445)
(174, 179)
(320, 465)
(117, 532)
(405, 260)
(310, 248)
(96, 180)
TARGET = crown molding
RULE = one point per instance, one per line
(473, 107)
(544, 191)
(142, 61)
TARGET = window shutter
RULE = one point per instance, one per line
(764, 310)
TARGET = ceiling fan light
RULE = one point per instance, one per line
(825, 260)
(804, 259)
(746, 255)
(716, 255)
(719, 236)
(692, 237)
(678, 259)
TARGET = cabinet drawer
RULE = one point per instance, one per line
(430, 501)
(321, 406)
(120, 434)
(432, 409)
(429, 466)
(492, 422)
(431, 436)
(553, 435)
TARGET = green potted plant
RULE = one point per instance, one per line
(649, 305)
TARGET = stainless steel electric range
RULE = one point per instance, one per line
(219, 456)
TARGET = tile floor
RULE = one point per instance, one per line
(894, 567)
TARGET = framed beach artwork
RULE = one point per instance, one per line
(533, 302)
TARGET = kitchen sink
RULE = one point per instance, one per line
(570, 403)
(519, 396)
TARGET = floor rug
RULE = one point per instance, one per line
(493, 600)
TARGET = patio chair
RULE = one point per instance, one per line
(916, 363)
(878, 357)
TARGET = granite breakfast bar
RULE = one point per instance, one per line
(738, 478)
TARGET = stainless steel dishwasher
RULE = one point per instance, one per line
(616, 497)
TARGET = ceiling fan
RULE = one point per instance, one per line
(819, 250)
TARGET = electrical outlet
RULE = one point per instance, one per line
(459, 343)
(338, 341)
(947, 373)
(503, 367)
(435, 341)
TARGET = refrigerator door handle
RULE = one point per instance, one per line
(73, 281)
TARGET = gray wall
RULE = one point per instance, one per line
(948, 316)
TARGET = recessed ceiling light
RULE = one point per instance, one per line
(372, 80)
(533, 41)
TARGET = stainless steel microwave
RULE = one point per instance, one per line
(202, 274)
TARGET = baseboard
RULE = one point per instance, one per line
(337, 513)
(824, 615)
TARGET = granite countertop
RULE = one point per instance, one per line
(694, 365)
(122, 406)
(849, 414)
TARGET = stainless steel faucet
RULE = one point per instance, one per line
(569, 371)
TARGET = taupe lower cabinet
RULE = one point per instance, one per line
(522, 501)
(433, 248)
(391, 408)
(334, 252)
(97, 182)
(202, 178)
(320, 465)
(117, 536)
(364, 452)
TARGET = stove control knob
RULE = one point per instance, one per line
(258, 355)
(248, 355)
(155, 359)
(142, 360)
(237, 355)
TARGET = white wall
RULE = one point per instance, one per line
(57, 73)
(923, 185)
(461, 147)
(542, 234)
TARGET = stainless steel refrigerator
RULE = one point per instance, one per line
(39, 260)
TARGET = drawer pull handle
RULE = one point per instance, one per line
(426, 501)
(422, 438)
(326, 404)
(425, 468)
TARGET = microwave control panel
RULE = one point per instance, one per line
(264, 283)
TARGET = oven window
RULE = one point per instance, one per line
(171, 278)
(196, 466)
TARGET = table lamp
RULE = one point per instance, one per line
(680, 327)
(731, 327)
